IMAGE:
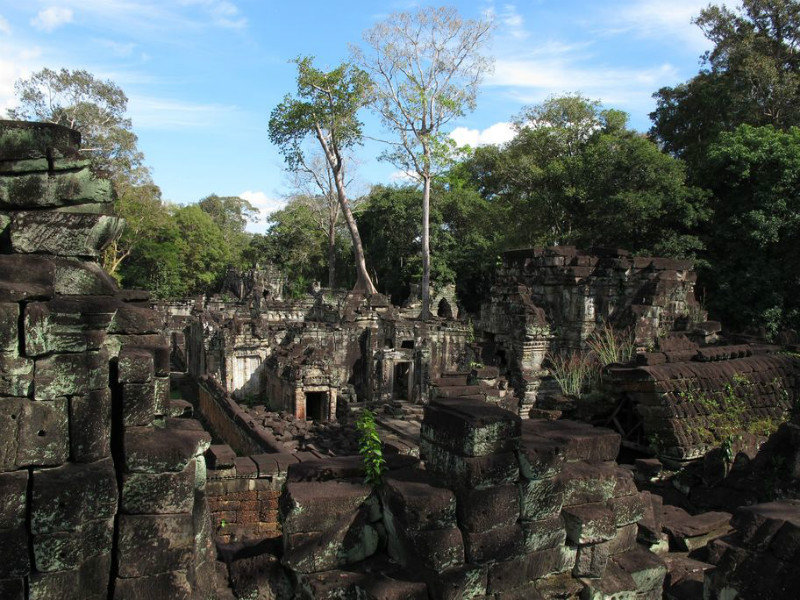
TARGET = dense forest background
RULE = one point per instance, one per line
(716, 179)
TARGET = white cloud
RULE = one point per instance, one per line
(121, 49)
(50, 19)
(4, 26)
(222, 12)
(265, 205)
(15, 63)
(150, 112)
(513, 22)
(403, 177)
(499, 133)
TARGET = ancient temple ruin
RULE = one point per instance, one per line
(206, 448)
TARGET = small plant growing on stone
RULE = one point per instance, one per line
(371, 448)
(573, 371)
(611, 345)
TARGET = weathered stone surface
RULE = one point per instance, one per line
(13, 494)
(580, 441)
(25, 278)
(16, 375)
(220, 456)
(544, 533)
(310, 506)
(77, 277)
(583, 482)
(21, 140)
(540, 498)
(51, 190)
(627, 509)
(134, 320)
(90, 426)
(70, 374)
(138, 403)
(14, 561)
(645, 568)
(43, 433)
(9, 327)
(136, 365)
(68, 550)
(624, 539)
(382, 587)
(435, 549)
(63, 234)
(313, 552)
(89, 582)
(481, 510)
(469, 472)
(66, 325)
(418, 504)
(156, 450)
(12, 589)
(497, 544)
(539, 457)
(259, 576)
(173, 585)
(689, 532)
(467, 582)
(589, 523)
(591, 560)
(159, 493)
(66, 497)
(152, 544)
(470, 427)
(512, 574)
(10, 413)
(758, 525)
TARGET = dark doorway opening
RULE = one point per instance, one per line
(316, 404)
(400, 387)
(407, 344)
(444, 310)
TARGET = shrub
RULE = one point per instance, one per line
(573, 371)
(370, 448)
(611, 345)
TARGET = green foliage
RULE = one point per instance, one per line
(754, 173)
(371, 448)
(574, 174)
(574, 371)
(231, 214)
(612, 346)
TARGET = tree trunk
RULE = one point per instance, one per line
(426, 247)
(331, 253)
(363, 281)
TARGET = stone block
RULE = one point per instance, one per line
(63, 234)
(159, 493)
(161, 391)
(579, 440)
(30, 140)
(334, 548)
(174, 585)
(645, 568)
(589, 523)
(43, 433)
(435, 549)
(136, 365)
(90, 426)
(14, 558)
(24, 278)
(689, 532)
(460, 471)
(584, 482)
(138, 403)
(467, 582)
(88, 582)
(470, 427)
(16, 375)
(260, 576)
(74, 277)
(52, 190)
(156, 450)
(484, 509)
(513, 574)
(501, 543)
(627, 509)
(66, 325)
(319, 506)
(540, 498)
(384, 587)
(135, 320)
(757, 525)
(13, 496)
(624, 539)
(591, 560)
(416, 503)
(9, 327)
(70, 374)
(66, 497)
(539, 457)
(220, 456)
(10, 414)
(68, 550)
(152, 544)
(544, 533)
(12, 589)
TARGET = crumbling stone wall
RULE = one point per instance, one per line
(502, 509)
(103, 492)
(690, 400)
(552, 299)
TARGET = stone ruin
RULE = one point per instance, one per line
(111, 487)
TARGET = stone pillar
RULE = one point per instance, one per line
(299, 403)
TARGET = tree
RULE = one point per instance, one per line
(231, 214)
(754, 173)
(326, 108)
(752, 75)
(575, 174)
(96, 108)
(427, 66)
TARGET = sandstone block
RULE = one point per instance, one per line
(63, 234)
(9, 327)
(69, 550)
(591, 560)
(544, 533)
(156, 450)
(460, 471)
(89, 582)
(16, 375)
(318, 506)
(173, 585)
(417, 504)
(136, 365)
(467, 582)
(435, 549)
(313, 552)
(627, 509)
(51, 190)
(539, 457)
(138, 403)
(589, 523)
(580, 441)
(27, 140)
(13, 495)
(583, 482)
(152, 544)
(516, 573)
(10, 414)
(70, 374)
(159, 493)
(501, 543)
(26, 277)
(66, 325)
(90, 426)
(74, 277)
(481, 510)
(135, 320)
(540, 498)
(43, 433)
(14, 561)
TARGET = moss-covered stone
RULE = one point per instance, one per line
(21, 140)
(63, 234)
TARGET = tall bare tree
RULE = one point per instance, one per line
(426, 66)
(325, 109)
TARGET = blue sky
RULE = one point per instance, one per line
(203, 75)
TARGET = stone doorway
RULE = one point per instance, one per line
(401, 386)
(316, 406)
